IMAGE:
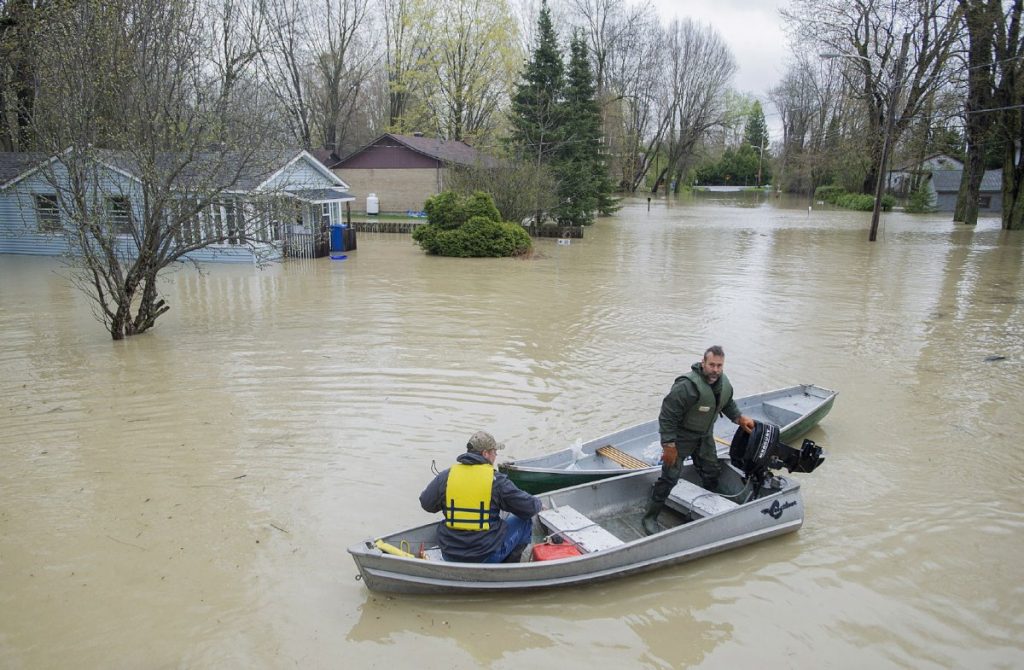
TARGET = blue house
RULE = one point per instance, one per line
(271, 205)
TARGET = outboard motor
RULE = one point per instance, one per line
(759, 452)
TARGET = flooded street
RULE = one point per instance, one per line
(185, 498)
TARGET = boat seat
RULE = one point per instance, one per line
(578, 529)
(778, 414)
(689, 497)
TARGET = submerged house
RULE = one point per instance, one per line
(402, 171)
(940, 175)
(256, 206)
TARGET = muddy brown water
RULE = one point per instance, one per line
(185, 498)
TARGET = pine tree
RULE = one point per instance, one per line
(536, 106)
(755, 135)
(756, 131)
(584, 185)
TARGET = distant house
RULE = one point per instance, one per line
(940, 175)
(404, 170)
(944, 186)
(282, 204)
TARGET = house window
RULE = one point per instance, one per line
(984, 201)
(48, 213)
(119, 214)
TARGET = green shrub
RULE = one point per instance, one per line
(480, 204)
(470, 227)
(829, 193)
(859, 201)
(444, 210)
(863, 202)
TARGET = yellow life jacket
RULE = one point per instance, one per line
(468, 497)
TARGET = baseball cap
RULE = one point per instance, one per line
(482, 441)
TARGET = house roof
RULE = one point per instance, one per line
(15, 163)
(932, 162)
(245, 171)
(948, 181)
(320, 195)
(326, 156)
(446, 151)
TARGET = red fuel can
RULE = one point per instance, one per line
(548, 552)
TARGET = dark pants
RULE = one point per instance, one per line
(705, 461)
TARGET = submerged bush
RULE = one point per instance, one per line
(468, 227)
(864, 202)
(920, 201)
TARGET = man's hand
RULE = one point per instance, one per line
(746, 423)
(669, 454)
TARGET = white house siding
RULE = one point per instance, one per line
(19, 231)
(19, 227)
(300, 175)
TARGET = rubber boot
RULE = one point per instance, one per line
(710, 484)
(650, 520)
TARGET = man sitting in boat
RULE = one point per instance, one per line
(473, 496)
(686, 424)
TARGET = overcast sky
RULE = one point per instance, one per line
(753, 30)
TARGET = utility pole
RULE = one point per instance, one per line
(894, 93)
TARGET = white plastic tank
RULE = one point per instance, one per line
(372, 204)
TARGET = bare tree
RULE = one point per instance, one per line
(474, 63)
(407, 26)
(343, 60)
(287, 61)
(700, 67)
(866, 35)
(143, 168)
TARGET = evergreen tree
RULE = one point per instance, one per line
(583, 163)
(755, 136)
(536, 106)
(756, 131)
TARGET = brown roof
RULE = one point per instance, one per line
(446, 151)
(326, 156)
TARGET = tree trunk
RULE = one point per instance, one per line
(1013, 181)
(970, 187)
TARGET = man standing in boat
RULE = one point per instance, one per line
(473, 495)
(686, 424)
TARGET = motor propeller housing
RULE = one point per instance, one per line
(761, 451)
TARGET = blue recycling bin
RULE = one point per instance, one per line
(338, 237)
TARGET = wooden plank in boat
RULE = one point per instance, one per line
(578, 529)
(622, 458)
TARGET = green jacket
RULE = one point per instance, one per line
(689, 411)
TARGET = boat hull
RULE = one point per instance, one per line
(617, 501)
(795, 409)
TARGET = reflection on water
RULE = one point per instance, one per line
(185, 497)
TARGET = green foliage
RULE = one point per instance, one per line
(756, 132)
(735, 167)
(443, 210)
(555, 124)
(920, 201)
(536, 108)
(864, 202)
(829, 192)
(468, 227)
(584, 185)
(519, 188)
(480, 204)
